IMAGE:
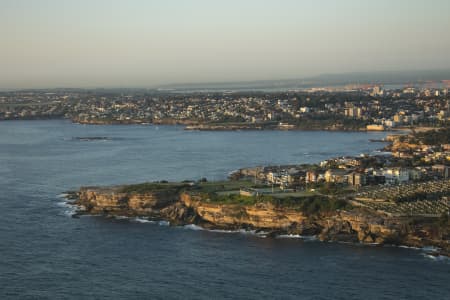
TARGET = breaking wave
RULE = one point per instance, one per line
(297, 236)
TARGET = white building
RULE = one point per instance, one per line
(395, 175)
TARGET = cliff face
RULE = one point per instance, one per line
(258, 216)
(357, 225)
(113, 201)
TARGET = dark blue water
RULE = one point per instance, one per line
(45, 254)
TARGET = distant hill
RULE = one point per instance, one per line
(394, 77)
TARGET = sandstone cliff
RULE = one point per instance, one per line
(357, 225)
(114, 201)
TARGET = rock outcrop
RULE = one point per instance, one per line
(357, 225)
(114, 201)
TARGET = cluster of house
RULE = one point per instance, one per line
(426, 153)
(348, 172)
(376, 108)
(373, 176)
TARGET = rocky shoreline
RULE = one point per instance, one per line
(181, 207)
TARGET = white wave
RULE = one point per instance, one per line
(63, 195)
(193, 227)
(372, 244)
(298, 236)
(245, 231)
(142, 220)
(261, 234)
(64, 204)
(408, 247)
(238, 231)
(121, 217)
(69, 209)
(163, 223)
(427, 249)
(232, 172)
(430, 249)
(437, 257)
(70, 212)
(223, 231)
(289, 236)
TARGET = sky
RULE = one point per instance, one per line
(147, 43)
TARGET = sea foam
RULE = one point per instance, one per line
(141, 220)
(69, 209)
(297, 236)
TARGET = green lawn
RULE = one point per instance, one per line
(149, 187)
(202, 187)
(223, 186)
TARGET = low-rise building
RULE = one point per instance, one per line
(395, 175)
(441, 171)
(336, 176)
(311, 177)
(357, 179)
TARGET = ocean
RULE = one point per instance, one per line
(47, 254)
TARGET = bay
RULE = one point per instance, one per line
(46, 254)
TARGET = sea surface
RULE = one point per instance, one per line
(46, 254)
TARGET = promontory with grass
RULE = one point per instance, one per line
(399, 197)
(344, 216)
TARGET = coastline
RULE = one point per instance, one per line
(427, 251)
(184, 208)
(195, 126)
(193, 204)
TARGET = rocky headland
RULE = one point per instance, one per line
(182, 204)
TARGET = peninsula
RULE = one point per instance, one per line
(233, 205)
(399, 199)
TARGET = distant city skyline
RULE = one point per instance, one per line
(136, 43)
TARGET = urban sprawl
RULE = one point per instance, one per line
(331, 109)
(411, 176)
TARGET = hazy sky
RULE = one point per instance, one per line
(143, 43)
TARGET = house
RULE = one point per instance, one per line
(395, 175)
(357, 179)
(311, 177)
(441, 170)
(415, 174)
(336, 176)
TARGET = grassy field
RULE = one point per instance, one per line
(227, 192)
(202, 187)
(149, 187)
(223, 186)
